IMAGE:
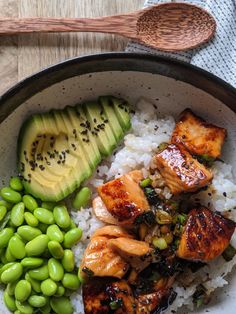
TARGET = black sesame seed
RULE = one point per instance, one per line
(224, 193)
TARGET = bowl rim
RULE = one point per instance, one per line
(166, 66)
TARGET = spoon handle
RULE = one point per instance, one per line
(118, 24)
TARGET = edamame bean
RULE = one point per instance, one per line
(28, 233)
(17, 247)
(48, 287)
(60, 291)
(44, 215)
(61, 216)
(13, 273)
(68, 261)
(31, 262)
(72, 237)
(61, 305)
(55, 249)
(30, 202)
(9, 301)
(24, 307)
(30, 219)
(17, 214)
(9, 256)
(48, 205)
(37, 246)
(37, 301)
(35, 284)
(5, 267)
(70, 281)
(5, 236)
(55, 234)
(11, 288)
(16, 184)
(10, 195)
(82, 198)
(22, 290)
(40, 273)
(56, 271)
(6, 204)
(3, 211)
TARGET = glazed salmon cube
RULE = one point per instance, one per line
(198, 136)
(124, 198)
(100, 260)
(181, 172)
(206, 235)
(136, 253)
(98, 294)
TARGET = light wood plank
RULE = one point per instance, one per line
(39, 51)
(8, 49)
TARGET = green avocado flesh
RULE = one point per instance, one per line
(60, 149)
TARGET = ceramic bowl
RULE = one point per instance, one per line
(171, 85)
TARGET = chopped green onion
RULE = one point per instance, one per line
(144, 183)
(159, 243)
(206, 159)
(114, 305)
(182, 218)
(229, 253)
(162, 146)
(163, 218)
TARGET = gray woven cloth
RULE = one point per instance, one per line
(219, 55)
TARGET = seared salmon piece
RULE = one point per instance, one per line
(150, 302)
(100, 260)
(102, 213)
(100, 295)
(181, 172)
(198, 136)
(124, 198)
(136, 253)
(112, 232)
(206, 235)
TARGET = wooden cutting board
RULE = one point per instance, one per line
(23, 55)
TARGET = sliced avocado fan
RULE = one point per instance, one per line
(60, 149)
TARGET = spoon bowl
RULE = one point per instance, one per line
(175, 26)
(166, 26)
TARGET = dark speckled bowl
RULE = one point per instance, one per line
(171, 85)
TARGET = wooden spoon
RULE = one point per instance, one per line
(166, 26)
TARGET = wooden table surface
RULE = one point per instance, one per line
(23, 55)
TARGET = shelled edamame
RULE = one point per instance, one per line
(38, 265)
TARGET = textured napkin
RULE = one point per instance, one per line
(219, 55)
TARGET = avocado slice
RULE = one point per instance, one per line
(105, 138)
(107, 105)
(60, 149)
(121, 109)
(83, 133)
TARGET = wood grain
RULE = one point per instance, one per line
(20, 56)
(8, 49)
(40, 50)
